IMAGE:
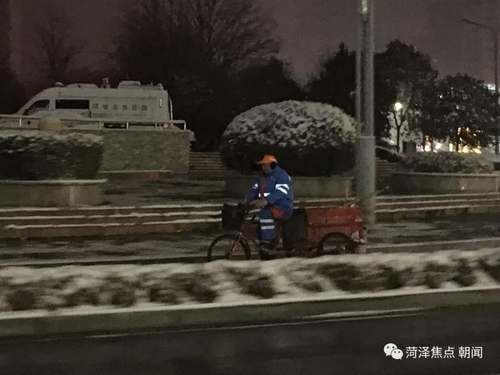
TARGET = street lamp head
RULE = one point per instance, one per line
(398, 106)
(364, 7)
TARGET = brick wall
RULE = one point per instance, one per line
(145, 150)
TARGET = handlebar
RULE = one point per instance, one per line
(247, 208)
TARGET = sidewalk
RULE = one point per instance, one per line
(196, 243)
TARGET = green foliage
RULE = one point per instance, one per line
(308, 139)
(404, 73)
(447, 162)
(336, 85)
(460, 108)
(35, 155)
(401, 73)
(268, 83)
(336, 81)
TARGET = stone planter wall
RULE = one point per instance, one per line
(443, 183)
(140, 150)
(237, 186)
(144, 150)
(59, 193)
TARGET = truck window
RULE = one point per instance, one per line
(72, 104)
(39, 105)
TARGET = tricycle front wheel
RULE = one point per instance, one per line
(228, 246)
(336, 244)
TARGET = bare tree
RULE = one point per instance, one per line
(55, 50)
(196, 48)
(229, 33)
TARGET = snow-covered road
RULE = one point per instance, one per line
(192, 243)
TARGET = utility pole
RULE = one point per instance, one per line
(494, 32)
(365, 112)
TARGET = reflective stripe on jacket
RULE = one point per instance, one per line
(276, 187)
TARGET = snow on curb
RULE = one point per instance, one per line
(64, 300)
(98, 320)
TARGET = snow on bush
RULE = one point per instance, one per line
(320, 136)
(447, 162)
(292, 123)
(174, 284)
(38, 155)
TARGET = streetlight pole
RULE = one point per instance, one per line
(365, 99)
(494, 32)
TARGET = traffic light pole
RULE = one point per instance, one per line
(365, 99)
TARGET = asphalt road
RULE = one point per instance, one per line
(335, 346)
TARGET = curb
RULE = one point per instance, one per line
(43, 324)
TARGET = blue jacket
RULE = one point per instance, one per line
(277, 189)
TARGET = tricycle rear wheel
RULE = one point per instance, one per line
(336, 244)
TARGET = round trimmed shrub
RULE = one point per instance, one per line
(308, 139)
(447, 162)
(37, 155)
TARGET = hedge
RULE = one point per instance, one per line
(36, 155)
(308, 139)
(224, 281)
(447, 162)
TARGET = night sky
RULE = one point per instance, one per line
(311, 28)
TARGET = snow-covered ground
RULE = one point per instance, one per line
(174, 284)
(196, 243)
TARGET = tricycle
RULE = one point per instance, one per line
(312, 231)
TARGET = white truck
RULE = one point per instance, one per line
(129, 103)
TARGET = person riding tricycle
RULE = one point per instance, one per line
(273, 195)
